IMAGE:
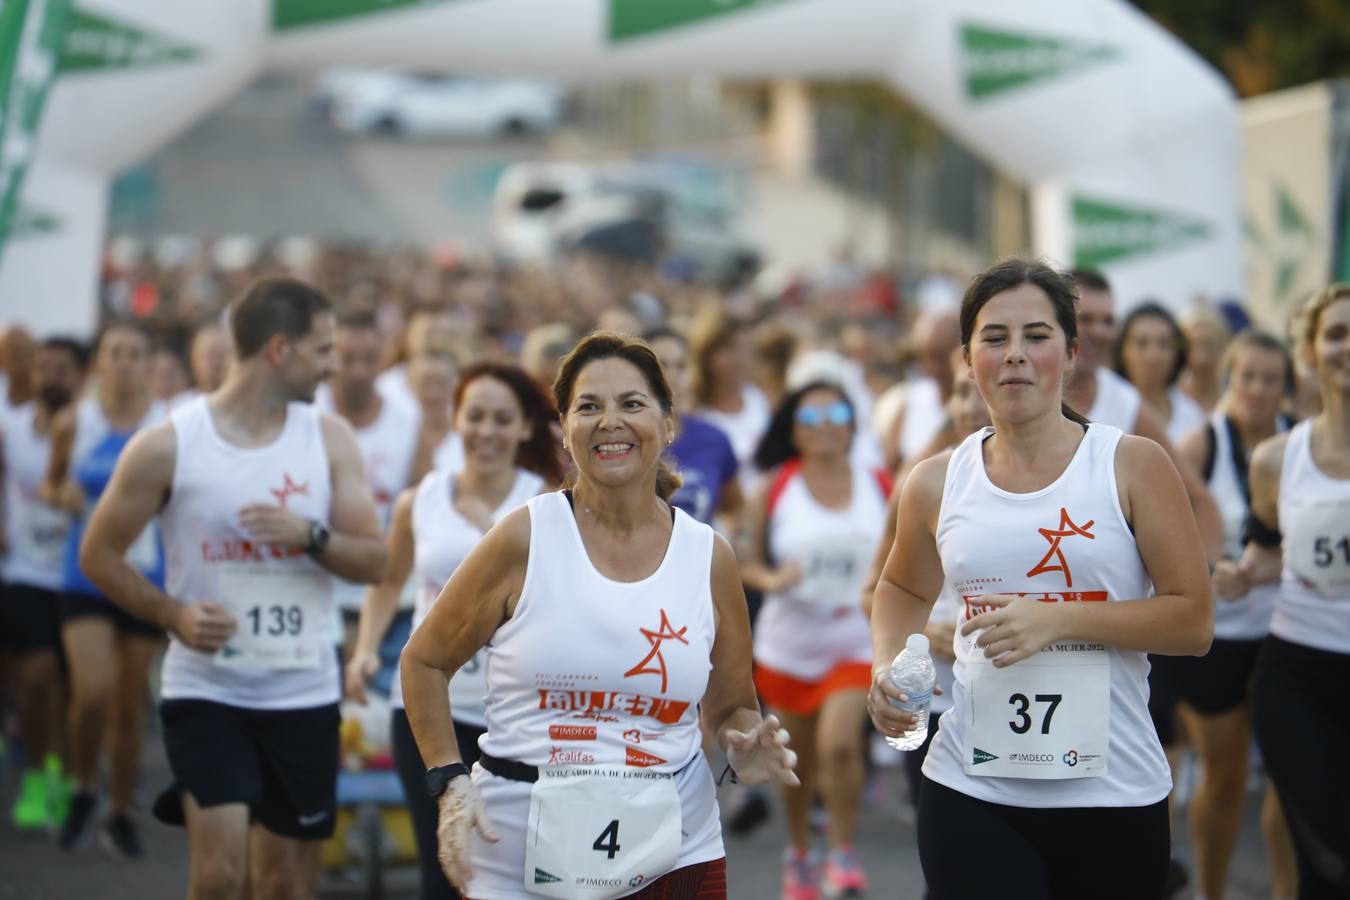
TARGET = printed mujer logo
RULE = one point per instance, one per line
(1067, 528)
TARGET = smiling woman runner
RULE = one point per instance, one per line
(610, 621)
(1301, 487)
(1055, 534)
(503, 418)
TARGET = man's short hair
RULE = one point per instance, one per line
(271, 306)
(1091, 279)
(78, 351)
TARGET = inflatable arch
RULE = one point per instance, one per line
(1125, 139)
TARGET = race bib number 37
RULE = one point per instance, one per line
(280, 617)
(1044, 717)
(598, 835)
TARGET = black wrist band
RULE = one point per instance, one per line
(1258, 532)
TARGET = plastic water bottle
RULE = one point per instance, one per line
(913, 673)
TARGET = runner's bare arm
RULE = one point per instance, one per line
(1227, 580)
(912, 576)
(756, 571)
(1178, 620)
(883, 545)
(1203, 507)
(480, 596)
(355, 547)
(57, 489)
(1260, 564)
(381, 600)
(910, 583)
(730, 707)
(138, 490)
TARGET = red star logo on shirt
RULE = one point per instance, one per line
(1067, 528)
(289, 487)
(666, 632)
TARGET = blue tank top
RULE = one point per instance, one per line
(93, 457)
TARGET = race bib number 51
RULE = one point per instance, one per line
(280, 617)
(1044, 717)
(598, 835)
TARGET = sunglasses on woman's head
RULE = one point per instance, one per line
(837, 413)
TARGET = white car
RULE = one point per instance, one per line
(442, 105)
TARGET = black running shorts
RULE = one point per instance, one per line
(30, 619)
(281, 763)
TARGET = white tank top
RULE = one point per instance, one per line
(592, 671)
(995, 541)
(212, 481)
(924, 416)
(388, 445)
(1117, 402)
(1248, 617)
(818, 623)
(35, 532)
(442, 538)
(1186, 416)
(744, 429)
(1313, 607)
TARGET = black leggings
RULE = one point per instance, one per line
(972, 849)
(412, 773)
(1301, 714)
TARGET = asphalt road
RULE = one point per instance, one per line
(31, 868)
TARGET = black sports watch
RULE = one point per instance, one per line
(318, 537)
(440, 776)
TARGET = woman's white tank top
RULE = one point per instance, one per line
(924, 416)
(36, 532)
(818, 623)
(442, 538)
(212, 481)
(591, 671)
(1068, 542)
(1186, 415)
(1117, 402)
(1313, 607)
(1248, 617)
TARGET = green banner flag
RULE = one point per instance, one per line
(30, 41)
(29, 222)
(1294, 241)
(637, 18)
(1107, 232)
(995, 61)
(96, 42)
(307, 13)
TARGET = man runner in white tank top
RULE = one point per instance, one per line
(261, 499)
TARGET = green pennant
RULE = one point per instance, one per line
(995, 60)
(978, 756)
(637, 18)
(95, 42)
(30, 41)
(29, 222)
(1293, 242)
(308, 13)
(542, 877)
(1106, 232)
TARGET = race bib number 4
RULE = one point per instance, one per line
(280, 617)
(1317, 545)
(600, 834)
(1044, 717)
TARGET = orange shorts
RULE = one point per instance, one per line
(804, 698)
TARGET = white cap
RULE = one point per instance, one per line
(917, 643)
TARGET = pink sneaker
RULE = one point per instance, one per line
(844, 876)
(800, 876)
